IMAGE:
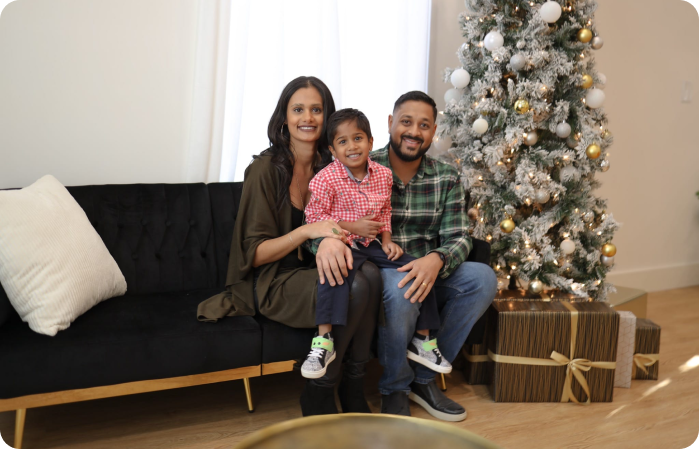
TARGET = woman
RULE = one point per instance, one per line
(269, 271)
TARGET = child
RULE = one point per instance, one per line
(355, 192)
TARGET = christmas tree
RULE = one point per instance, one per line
(525, 126)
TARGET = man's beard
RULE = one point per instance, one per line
(408, 157)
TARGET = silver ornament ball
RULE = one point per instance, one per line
(532, 138)
(542, 196)
(607, 261)
(518, 61)
(588, 216)
(536, 286)
(604, 165)
(563, 130)
(597, 42)
(571, 141)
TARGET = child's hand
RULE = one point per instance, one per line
(366, 227)
(392, 250)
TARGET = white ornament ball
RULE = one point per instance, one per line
(597, 42)
(542, 196)
(602, 78)
(531, 139)
(567, 246)
(536, 286)
(594, 98)
(607, 261)
(453, 95)
(550, 12)
(518, 61)
(460, 78)
(442, 144)
(563, 130)
(493, 40)
(480, 126)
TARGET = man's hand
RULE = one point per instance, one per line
(424, 270)
(330, 258)
(392, 250)
(364, 227)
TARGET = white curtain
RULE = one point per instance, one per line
(368, 52)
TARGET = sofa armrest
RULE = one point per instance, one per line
(480, 252)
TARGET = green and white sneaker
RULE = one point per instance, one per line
(317, 361)
(425, 352)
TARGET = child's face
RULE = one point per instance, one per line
(351, 146)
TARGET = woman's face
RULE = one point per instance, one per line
(304, 115)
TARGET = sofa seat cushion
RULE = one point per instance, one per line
(281, 343)
(126, 339)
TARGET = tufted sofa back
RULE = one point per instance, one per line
(165, 237)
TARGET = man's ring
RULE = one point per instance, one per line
(336, 232)
(424, 284)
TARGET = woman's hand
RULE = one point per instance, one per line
(365, 227)
(392, 250)
(324, 229)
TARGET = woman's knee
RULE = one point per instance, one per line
(360, 290)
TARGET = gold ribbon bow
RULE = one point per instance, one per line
(574, 367)
(644, 361)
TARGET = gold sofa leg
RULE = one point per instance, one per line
(248, 394)
(444, 382)
(19, 427)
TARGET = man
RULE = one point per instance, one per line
(430, 223)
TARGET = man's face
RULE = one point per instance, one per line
(412, 128)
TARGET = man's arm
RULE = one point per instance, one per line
(453, 230)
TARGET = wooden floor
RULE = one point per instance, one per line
(662, 414)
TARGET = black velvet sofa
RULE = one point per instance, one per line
(171, 242)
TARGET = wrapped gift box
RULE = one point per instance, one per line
(647, 350)
(552, 351)
(625, 350)
(476, 370)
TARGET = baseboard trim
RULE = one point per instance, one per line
(146, 386)
(659, 278)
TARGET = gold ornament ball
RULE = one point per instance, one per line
(584, 35)
(536, 286)
(587, 81)
(507, 225)
(473, 214)
(606, 134)
(609, 250)
(593, 151)
(522, 106)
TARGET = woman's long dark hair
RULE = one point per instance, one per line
(279, 138)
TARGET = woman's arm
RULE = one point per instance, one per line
(272, 250)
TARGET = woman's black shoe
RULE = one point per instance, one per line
(351, 389)
(317, 400)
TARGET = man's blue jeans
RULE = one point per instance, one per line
(462, 298)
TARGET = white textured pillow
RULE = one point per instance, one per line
(53, 265)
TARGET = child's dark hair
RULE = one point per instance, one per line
(416, 95)
(347, 115)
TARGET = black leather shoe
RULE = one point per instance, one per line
(395, 403)
(317, 400)
(431, 398)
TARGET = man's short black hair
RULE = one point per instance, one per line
(347, 115)
(416, 95)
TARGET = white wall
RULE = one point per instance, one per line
(648, 54)
(95, 91)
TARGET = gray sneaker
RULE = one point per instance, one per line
(425, 352)
(317, 361)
